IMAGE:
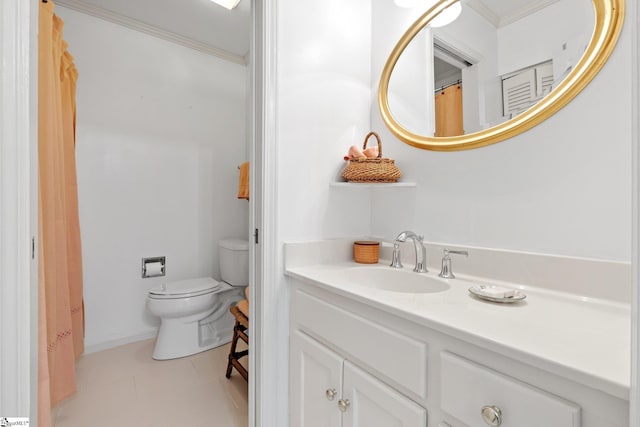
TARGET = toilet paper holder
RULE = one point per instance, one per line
(153, 267)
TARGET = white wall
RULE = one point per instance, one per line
(322, 106)
(324, 96)
(161, 130)
(562, 188)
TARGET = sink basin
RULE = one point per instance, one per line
(388, 279)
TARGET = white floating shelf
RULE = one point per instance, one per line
(404, 184)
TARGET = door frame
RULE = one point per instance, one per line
(634, 398)
(266, 405)
(18, 208)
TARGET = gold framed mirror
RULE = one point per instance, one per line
(608, 20)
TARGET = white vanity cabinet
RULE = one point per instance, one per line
(354, 363)
(329, 391)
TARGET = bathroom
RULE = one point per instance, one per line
(157, 177)
(551, 190)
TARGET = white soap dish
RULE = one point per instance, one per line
(496, 293)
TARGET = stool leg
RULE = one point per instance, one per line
(232, 349)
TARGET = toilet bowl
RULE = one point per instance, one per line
(194, 313)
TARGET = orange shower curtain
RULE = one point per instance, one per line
(60, 308)
(449, 111)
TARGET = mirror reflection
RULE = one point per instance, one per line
(497, 59)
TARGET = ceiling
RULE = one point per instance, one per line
(199, 23)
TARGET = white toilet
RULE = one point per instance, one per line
(194, 314)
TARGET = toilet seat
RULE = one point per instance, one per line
(185, 288)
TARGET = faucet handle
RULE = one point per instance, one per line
(395, 257)
(449, 251)
(446, 272)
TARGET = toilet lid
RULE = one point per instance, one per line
(234, 244)
(198, 286)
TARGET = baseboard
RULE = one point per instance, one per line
(105, 345)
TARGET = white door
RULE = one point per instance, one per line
(374, 404)
(315, 381)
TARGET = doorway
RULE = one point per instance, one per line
(452, 70)
(448, 98)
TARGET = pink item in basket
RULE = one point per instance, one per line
(371, 152)
(354, 153)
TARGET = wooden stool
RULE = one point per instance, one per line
(239, 331)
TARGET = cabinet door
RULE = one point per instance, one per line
(315, 374)
(374, 404)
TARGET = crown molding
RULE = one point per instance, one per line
(134, 24)
(520, 13)
(527, 10)
(485, 12)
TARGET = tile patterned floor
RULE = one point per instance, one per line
(125, 387)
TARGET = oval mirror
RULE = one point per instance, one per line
(500, 68)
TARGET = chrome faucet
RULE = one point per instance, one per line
(421, 251)
(446, 272)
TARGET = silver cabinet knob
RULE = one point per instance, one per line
(492, 415)
(330, 393)
(343, 404)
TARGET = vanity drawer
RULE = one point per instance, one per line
(467, 387)
(397, 356)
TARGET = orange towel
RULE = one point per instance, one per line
(243, 185)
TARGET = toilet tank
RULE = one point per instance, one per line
(234, 261)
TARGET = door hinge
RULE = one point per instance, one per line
(33, 247)
(256, 236)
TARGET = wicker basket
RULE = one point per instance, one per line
(371, 170)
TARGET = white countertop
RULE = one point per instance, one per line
(584, 339)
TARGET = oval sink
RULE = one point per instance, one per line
(388, 279)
